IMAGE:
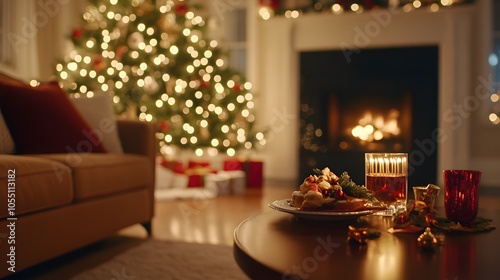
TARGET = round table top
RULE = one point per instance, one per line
(276, 245)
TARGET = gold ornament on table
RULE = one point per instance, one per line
(422, 212)
(359, 235)
(427, 240)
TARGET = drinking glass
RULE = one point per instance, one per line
(426, 194)
(386, 176)
(461, 195)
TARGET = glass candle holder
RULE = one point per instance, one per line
(386, 176)
(461, 195)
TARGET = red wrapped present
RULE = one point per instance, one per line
(253, 170)
(198, 163)
(196, 176)
(195, 181)
(233, 164)
(173, 165)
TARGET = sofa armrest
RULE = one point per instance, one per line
(137, 137)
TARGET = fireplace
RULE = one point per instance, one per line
(381, 100)
(275, 72)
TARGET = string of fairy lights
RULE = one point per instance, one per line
(494, 117)
(153, 57)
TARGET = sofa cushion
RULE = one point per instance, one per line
(43, 119)
(36, 185)
(99, 114)
(101, 174)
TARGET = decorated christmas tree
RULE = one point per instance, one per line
(156, 60)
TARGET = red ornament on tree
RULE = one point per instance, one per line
(163, 126)
(77, 33)
(181, 8)
(120, 51)
(204, 84)
(237, 88)
(98, 63)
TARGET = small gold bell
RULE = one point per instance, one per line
(358, 235)
(427, 239)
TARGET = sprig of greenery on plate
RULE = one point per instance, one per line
(349, 187)
(352, 189)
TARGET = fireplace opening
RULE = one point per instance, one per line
(370, 122)
(375, 100)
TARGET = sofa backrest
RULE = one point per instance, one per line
(7, 145)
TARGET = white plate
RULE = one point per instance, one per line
(283, 205)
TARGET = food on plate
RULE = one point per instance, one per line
(326, 191)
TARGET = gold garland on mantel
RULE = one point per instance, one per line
(270, 9)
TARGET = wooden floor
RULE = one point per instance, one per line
(192, 220)
(201, 220)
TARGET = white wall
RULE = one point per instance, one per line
(40, 29)
(485, 137)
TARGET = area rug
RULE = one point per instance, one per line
(156, 259)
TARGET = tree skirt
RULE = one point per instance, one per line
(156, 259)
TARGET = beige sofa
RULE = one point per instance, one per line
(66, 201)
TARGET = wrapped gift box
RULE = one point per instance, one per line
(164, 177)
(170, 174)
(237, 181)
(174, 165)
(218, 183)
(198, 163)
(180, 181)
(192, 175)
(252, 168)
(197, 175)
(254, 171)
(233, 164)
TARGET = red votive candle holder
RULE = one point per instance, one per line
(461, 195)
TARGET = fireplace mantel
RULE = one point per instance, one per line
(276, 80)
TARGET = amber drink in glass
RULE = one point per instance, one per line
(386, 176)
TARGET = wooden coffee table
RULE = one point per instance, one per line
(276, 245)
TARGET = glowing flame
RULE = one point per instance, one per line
(374, 128)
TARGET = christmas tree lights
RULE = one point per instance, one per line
(154, 58)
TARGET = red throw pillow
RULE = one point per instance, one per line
(43, 120)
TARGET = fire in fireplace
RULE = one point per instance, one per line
(382, 100)
(370, 122)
